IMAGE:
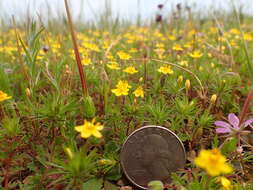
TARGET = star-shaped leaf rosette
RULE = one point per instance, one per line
(233, 125)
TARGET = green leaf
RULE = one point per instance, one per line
(229, 146)
(89, 107)
(114, 174)
(110, 186)
(94, 184)
(215, 143)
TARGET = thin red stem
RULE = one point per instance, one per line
(246, 106)
(77, 54)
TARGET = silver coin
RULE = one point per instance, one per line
(151, 153)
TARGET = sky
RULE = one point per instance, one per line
(126, 9)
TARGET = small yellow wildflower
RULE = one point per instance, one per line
(247, 37)
(213, 162)
(130, 70)
(121, 89)
(234, 31)
(91, 46)
(124, 56)
(159, 45)
(139, 92)
(133, 50)
(113, 66)
(4, 96)
(196, 54)
(159, 52)
(110, 56)
(86, 61)
(172, 37)
(165, 69)
(184, 63)
(225, 183)
(90, 128)
(192, 32)
(188, 45)
(177, 47)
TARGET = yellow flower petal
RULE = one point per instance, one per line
(79, 128)
(90, 128)
(97, 134)
(225, 183)
(213, 162)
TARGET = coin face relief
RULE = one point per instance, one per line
(151, 153)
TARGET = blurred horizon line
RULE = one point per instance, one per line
(127, 10)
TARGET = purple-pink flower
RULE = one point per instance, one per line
(233, 124)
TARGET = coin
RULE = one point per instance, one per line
(151, 153)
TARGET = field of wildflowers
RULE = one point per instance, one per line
(62, 124)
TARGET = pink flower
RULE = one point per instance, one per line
(233, 124)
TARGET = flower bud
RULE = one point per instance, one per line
(213, 98)
(239, 149)
(69, 152)
(187, 84)
(106, 162)
(27, 92)
(180, 79)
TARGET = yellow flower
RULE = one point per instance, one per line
(172, 37)
(109, 56)
(183, 63)
(90, 128)
(4, 96)
(225, 183)
(160, 45)
(188, 45)
(91, 46)
(165, 69)
(213, 162)
(139, 92)
(113, 66)
(196, 54)
(234, 31)
(86, 61)
(177, 47)
(124, 56)
(121, 89)
(133, 50)
(130, 70)
(159, 52)
(247, 37)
